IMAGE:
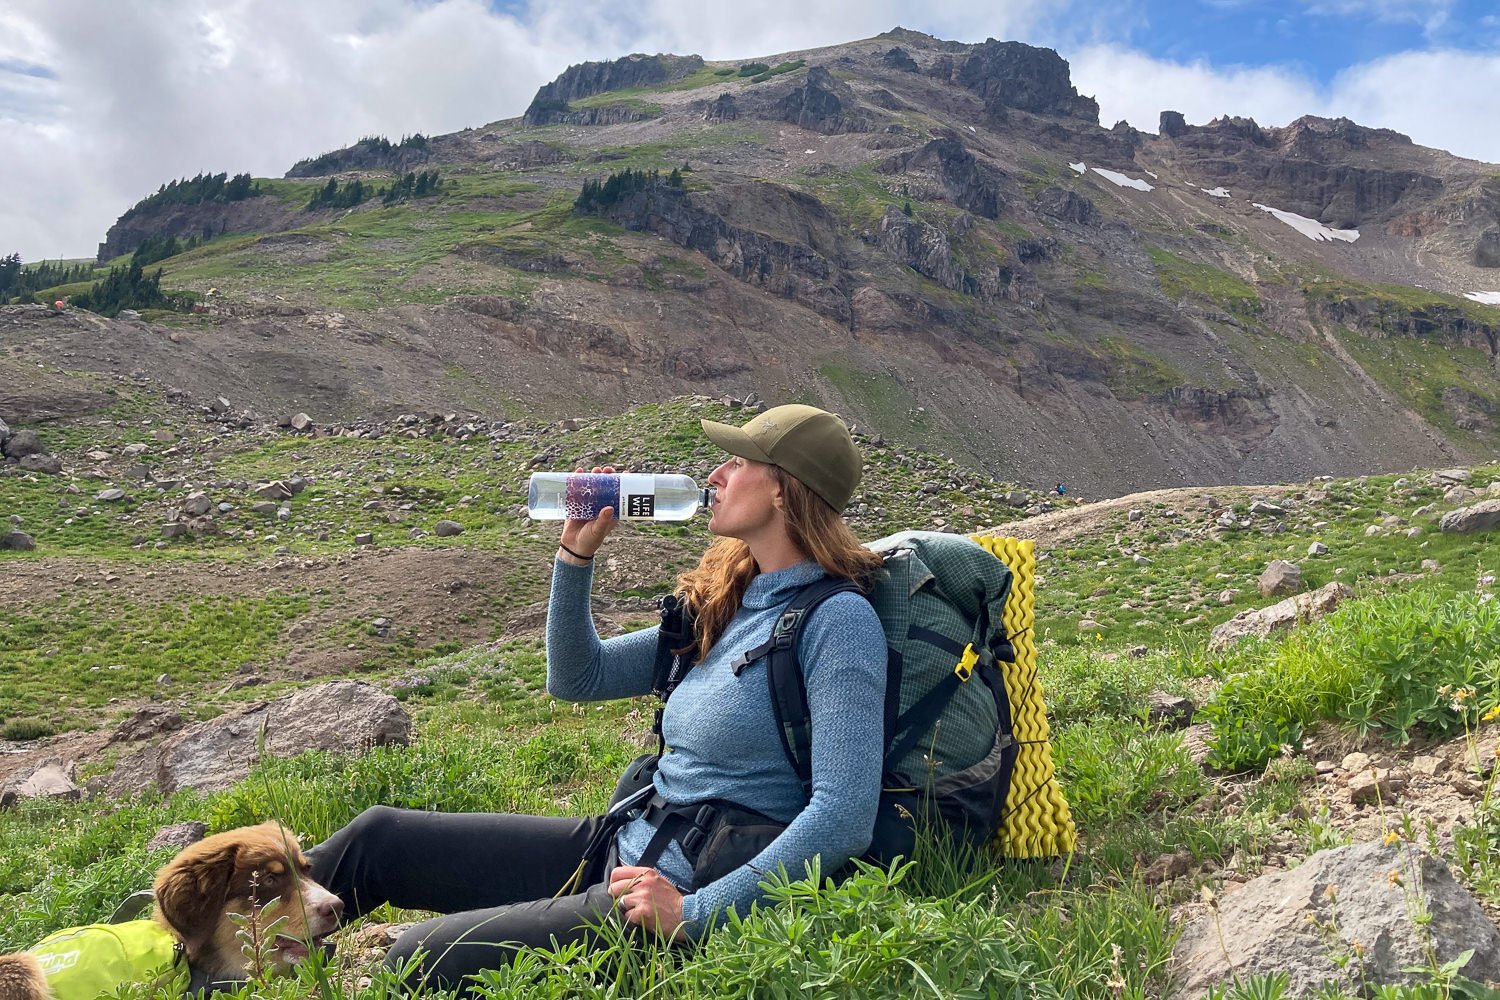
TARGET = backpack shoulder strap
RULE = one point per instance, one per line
(671, 666)
(784, 673)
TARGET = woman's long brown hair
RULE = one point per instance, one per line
(715, 587)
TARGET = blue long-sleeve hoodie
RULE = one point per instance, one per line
(721, 731)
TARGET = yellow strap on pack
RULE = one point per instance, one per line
(965, 667)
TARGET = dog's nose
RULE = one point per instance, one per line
(331, 907)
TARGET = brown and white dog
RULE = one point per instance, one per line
(236, 872)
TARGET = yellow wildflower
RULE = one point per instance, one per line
(1492, 714)
(1392, 837)
(1393, 877)
(1358, 946)
(1331, 891)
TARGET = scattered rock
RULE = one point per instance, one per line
(342, 716)
(1374, 786)
(53, 778)
(1481, 517)
(1351, 894)
(22, 443)
(49, 464)
(1280, 577)
(1169, 710)
(447, 529)
(196, 504)
(1317, 549)
(16, 541)
(147, 723)
(177, 836)
(1281, 615)
(274, 490)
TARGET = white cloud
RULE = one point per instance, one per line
(148, 90)
(1135, 87)
(1441, 99)
(100, 103)
(1431, 14)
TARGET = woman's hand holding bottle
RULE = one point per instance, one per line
(582, 538)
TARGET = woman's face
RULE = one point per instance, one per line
(746, 501)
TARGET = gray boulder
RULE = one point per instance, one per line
(52, 779)
(447, 529)
(177, 836)
(49, 464)
(16, 541)
(22, 443)
(1280, 577)
(1279, 616)
(196, 504)
(1365, 893)
(1482, 516)
(342, 716)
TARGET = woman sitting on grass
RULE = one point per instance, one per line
(791, 472)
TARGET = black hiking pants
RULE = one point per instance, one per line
(493, 874)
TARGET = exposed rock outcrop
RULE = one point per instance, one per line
(370, 153)
(1487, 250)
(1172, 124)
(927, 250)
(1433, 321)
(899, 58)
(722, 109)
(1015, 75)
(1314, 167)
(606, 114)
(587, 79)
(1295, 610)
(965, 182)
(823, 103)
(1069, 206)
(790, 269)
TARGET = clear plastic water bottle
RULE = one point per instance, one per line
(635, 496)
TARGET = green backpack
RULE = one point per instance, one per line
(82, 963)
(950, 747)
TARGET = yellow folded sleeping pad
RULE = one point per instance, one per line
(1037, 822)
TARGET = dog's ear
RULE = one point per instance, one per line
(192, 889)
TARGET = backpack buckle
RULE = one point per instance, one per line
(787, 623)
(966, 663)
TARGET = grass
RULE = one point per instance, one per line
(1418, 373)
(67, 659)
(1181, 278)
(489, 738)
(1133, 372)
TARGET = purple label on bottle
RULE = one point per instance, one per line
(590, 492)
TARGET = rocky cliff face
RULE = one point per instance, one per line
(590, 78)
(1013, 75)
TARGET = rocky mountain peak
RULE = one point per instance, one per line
(586, 79)
(1016, 75)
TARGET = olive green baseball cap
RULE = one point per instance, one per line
(811, 444)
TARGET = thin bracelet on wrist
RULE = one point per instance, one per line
(575, 555)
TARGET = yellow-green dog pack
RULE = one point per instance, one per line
(81, 963)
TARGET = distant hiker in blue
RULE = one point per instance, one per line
(669, 868)
(1060, 489)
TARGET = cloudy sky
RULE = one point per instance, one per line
(100, 103)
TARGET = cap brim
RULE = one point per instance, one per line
(734, 441)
